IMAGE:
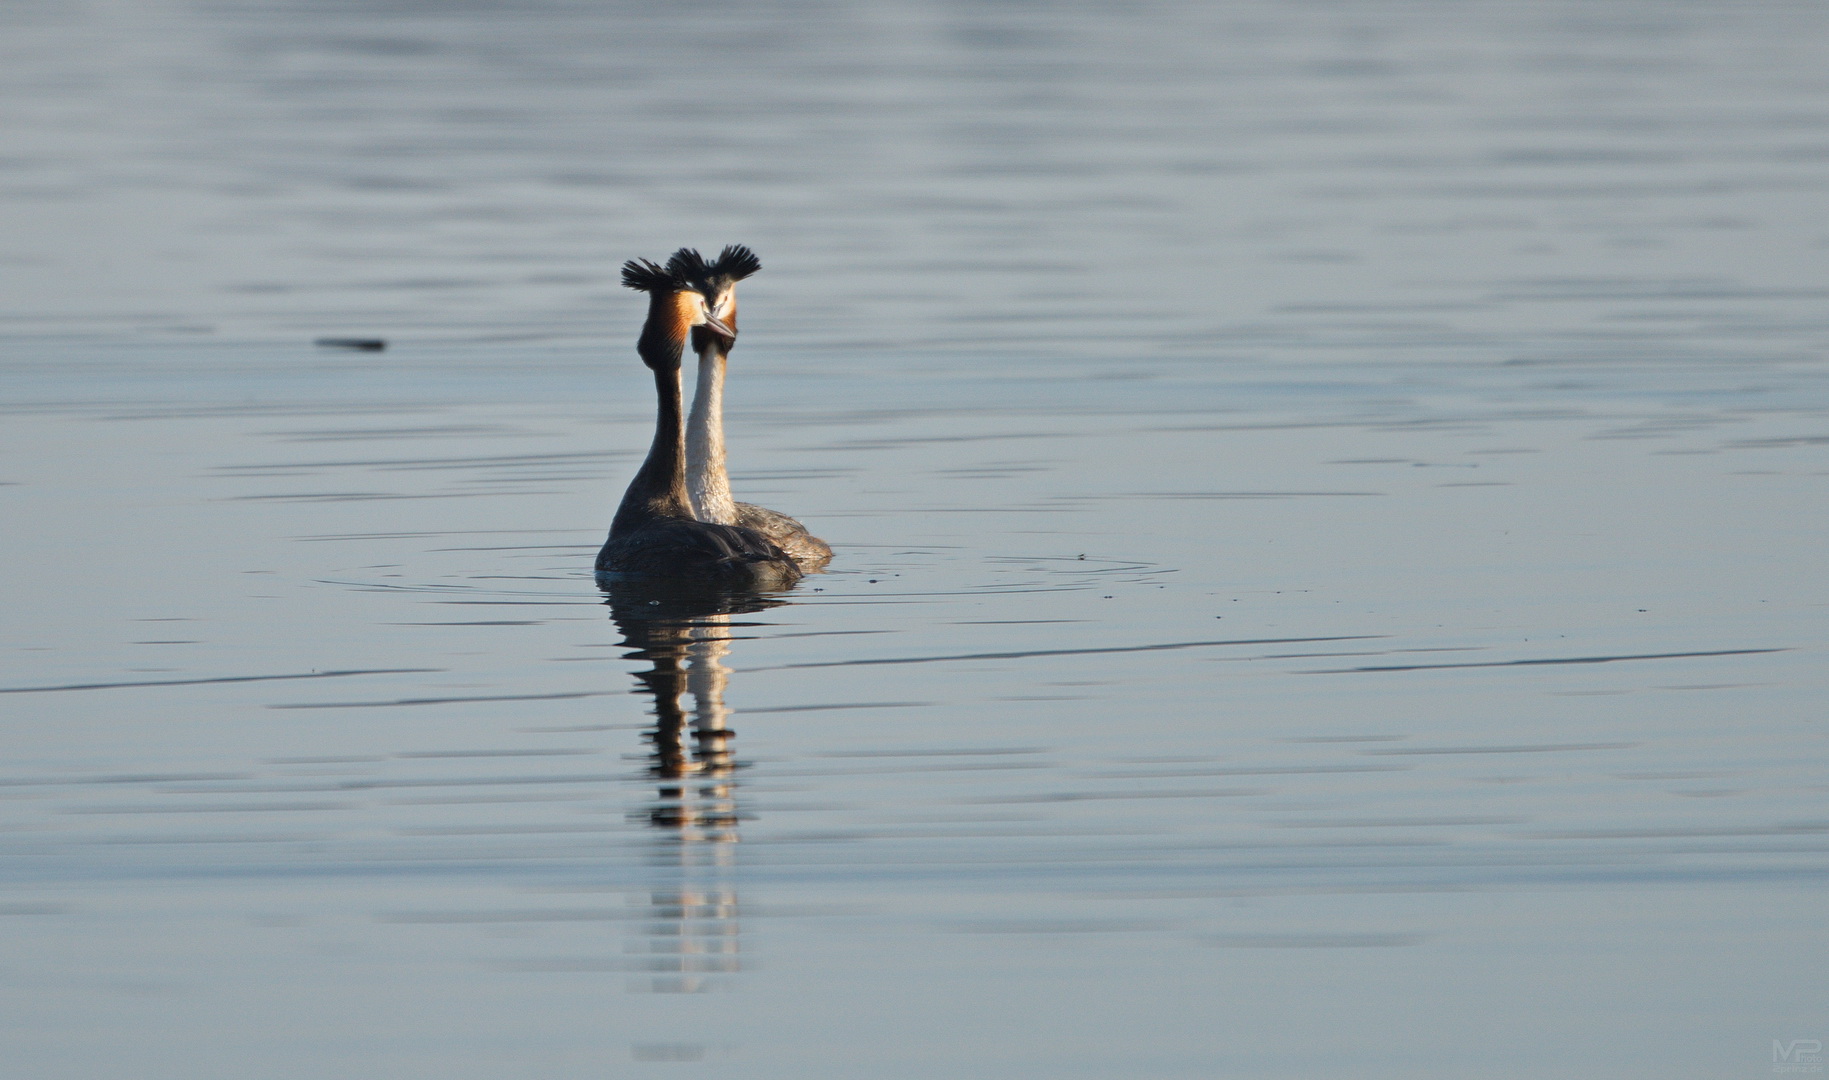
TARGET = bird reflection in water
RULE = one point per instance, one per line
(684, 632)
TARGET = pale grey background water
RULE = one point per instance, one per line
(1328, 500)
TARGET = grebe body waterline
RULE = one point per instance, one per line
(707, 476)
(655, 533)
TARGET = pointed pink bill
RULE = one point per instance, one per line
(719, 326)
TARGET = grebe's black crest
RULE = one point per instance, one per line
(736, 262)
(732, 265)
(646, 276)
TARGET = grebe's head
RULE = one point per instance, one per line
(676, 310)
(716, 281)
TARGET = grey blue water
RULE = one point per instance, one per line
(1329, 512)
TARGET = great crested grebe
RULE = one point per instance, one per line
(655, 534)
(707, 479)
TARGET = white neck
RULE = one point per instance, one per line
(707, 482)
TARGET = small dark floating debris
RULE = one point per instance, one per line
(355, 344)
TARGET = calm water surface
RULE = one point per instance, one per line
(1328, 501)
